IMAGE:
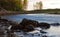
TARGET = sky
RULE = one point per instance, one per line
(47, 4)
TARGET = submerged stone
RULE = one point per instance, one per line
(44, 25)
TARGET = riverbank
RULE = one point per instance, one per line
(48, 11)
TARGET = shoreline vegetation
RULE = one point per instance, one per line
(48, 11)
(8, 7)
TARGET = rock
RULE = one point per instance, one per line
(55, 24)
(45, 36)
(6, 23)
(29, 28)
(44, 25)
(43, 32)
(26, 22)
(28, 25)
(15, 27)
(5, 20)
(12, 23)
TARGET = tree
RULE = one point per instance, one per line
(14, 5)
(38, 5)
(18, 5)
(25, 4)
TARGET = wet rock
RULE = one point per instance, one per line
(1, 19)
(12, 23)
(26, 22)
(45, 36)
(44, 25)
(15, 28)
(55, 24)
(28, 28)
(4, 21)
(21, 28)
(43, 32)
(28, 25)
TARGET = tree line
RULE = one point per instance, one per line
(16, 5)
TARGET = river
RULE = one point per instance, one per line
(54, 31)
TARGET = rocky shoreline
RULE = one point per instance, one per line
(26, 25)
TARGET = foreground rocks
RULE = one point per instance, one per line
(44, 25)
(29, 25)
(26, 22)
(25, 25)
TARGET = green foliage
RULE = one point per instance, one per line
(12, 5)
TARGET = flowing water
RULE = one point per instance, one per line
(54, 31)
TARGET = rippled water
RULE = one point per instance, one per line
(50, 18)
(39, 17)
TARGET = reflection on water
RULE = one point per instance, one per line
(53, 31)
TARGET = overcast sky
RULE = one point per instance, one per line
(47, 4)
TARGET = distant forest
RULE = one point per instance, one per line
(12, 5)
(18, 5)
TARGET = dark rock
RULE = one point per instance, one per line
(5, 20)
(55, 24)
(26, 22)
(44, 25)
(45, 36)
(28, 28)
(12, 23)
(15, 27)
(21, 28)
(43, 32)
(28, 25)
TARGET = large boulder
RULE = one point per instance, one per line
(44, 25)
(26, 22)
(28, 25)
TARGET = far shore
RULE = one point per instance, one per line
(30, 12)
